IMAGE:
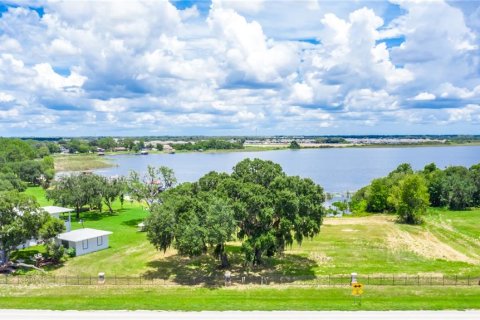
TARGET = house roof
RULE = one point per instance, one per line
(54, 209)
(82, 234)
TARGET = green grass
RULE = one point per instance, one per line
(80, 162)
(366, 245)
(39, 194)
(253, 298)
(357, 244)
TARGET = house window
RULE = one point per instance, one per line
(99, 241)
(85, 244)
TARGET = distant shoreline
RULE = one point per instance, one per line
(91, 161)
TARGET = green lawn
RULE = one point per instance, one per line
(447, 244)
(254, 298)
(80, 162)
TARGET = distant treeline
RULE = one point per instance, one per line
(455, 187)
(210, 144)
(23, 163)
(84, 145)
(333, 140)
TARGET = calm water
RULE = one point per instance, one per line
(335, 169)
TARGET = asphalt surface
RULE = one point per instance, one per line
(239, 315)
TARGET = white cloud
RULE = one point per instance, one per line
(424, 96)
(49, 78)
(248, 54)
(366, 99)
(279, 66)
(469, 113)
(240, 6)
(5, 97)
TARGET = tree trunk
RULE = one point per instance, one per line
(257, 259)
(222, 256)
(224, 260)
(77, 212)
(5, 256)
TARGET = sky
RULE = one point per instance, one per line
(231, 67)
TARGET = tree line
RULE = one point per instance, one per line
(23, 163)
(409, 193)
(87, 190)
(210, 144)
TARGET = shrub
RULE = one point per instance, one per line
(71, 252)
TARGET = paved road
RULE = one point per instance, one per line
(238, 315)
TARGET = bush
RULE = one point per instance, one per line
(55, 252)
(71, 252)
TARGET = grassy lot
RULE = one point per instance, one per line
(255, 298)
(447, 244)
(376, 244)
(80, 162)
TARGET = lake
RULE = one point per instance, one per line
(335, 169)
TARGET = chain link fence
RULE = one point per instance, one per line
(217, 281)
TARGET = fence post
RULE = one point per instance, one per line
(468, 279)
(418, 280)
(393, 280)
(456, 279)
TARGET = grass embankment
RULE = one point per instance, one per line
(254, 298)
(80, 162)
(447, 244)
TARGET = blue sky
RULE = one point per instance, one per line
(231, 67)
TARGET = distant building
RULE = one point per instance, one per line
(168, 148)
(120, 149)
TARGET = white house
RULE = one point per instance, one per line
(84, 240)
(55, 211)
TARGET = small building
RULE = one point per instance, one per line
(168, 148)
(84, 240)
(141, 227)
(55, 211)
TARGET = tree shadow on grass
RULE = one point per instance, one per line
(92, 215)
(205, 270)
(132, 222)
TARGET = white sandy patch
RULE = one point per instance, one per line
(425, 244)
